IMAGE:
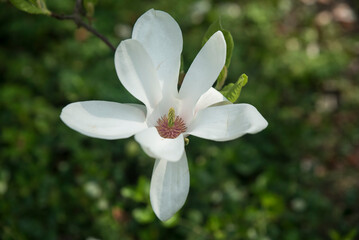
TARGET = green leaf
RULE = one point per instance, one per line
(233, 90)
(221, 78)
(42, 5)
(31, 6)
(217, 26)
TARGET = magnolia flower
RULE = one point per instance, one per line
(148, 67)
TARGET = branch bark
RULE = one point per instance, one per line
(76, 17)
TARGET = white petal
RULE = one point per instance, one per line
(162, 109)
(169, 187)
(106, 120)
(212, 96)
(204, 70)
(161, 36)
(136, 72)
(158, 147)
(227, 122)
(168, 72)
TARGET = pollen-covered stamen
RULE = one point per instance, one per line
(170, 126)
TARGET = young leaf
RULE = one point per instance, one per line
(221, 78)
(31, 6)
(233, 90)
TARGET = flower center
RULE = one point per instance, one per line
(170, 126)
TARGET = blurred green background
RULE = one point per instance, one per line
(296, 180)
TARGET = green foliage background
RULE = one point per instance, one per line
(296, 180)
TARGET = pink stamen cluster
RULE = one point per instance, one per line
(166, 131)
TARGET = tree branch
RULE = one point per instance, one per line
(76, 18)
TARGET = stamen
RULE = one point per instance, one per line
(170, 126)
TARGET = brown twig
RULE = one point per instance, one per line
(76, 18)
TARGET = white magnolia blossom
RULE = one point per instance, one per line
(148, 67)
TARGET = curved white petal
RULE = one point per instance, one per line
(168, 72)
(204, 70)
(161, 36)
(212, 96)
(169, 187)
(158, 147)
(227, 122)
(137, 73)
(106, 120)
(162, 109)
